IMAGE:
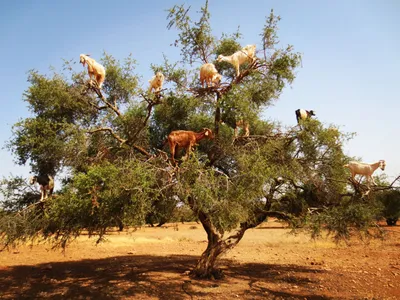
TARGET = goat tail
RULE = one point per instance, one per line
(346, 165)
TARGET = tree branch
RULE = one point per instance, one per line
(93, 85)
(121, 140)
(116, 136)
(381, 188)
(205, 220)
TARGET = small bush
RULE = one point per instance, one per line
(390, 201)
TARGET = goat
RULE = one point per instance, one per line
(95, 69)
(209, 75)
(186, 139)
(239, 57)
(244, 125)
(156, 82)
(364, 169)
(302, 114)
(250, 50)
(46, 183)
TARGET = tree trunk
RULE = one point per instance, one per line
(206, 265)
(217, 245)
(217, 119)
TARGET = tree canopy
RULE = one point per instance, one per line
(110, 143)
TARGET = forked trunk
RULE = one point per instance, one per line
(206, 266)
(217, 245)
(217, 118)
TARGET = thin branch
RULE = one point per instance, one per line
(141, 150)
(93, 85)
(381, 188)
(96, 106)
(116, 136)
(121, 140)
(29, 206)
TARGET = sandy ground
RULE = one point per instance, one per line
(152, 263)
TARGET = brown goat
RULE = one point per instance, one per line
(186, 139)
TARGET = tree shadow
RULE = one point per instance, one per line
(145, 276)
(261, 276)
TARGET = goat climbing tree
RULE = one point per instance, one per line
(111, 143)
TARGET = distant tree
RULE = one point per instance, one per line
(390, 200)
(17, 194)
(111, 143)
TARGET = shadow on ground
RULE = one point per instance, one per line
(156, 277)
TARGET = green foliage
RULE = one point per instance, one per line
(92, 201)
(213, 194)
(41, 142)
(174, 114)
(17, 194)
(183, 213)
(195, 38)
(120, 84)
(390, 201)
(346, 220)
(54, 99)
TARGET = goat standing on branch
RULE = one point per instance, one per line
(209, 75)
(364, 169)
(302, 114)
(46, 183)
(95, 69)
(156, 82)
(238, 58)
(244, 125)
(186, 139)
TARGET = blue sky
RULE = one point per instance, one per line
(350, 73)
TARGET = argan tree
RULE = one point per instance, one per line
(109, 143)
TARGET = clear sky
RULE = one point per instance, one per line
(351, 57)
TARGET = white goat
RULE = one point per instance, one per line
(239, 57)
(209, 75)
(156, 82)
(46, 183)
(364, 169)
(95, 69)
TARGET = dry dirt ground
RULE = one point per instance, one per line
(152, 263)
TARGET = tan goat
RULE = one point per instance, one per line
(95, 69)
(364, 169)
(186, 139)
(244, 125)
(239, 57)
(156, 82)
(209, 75)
